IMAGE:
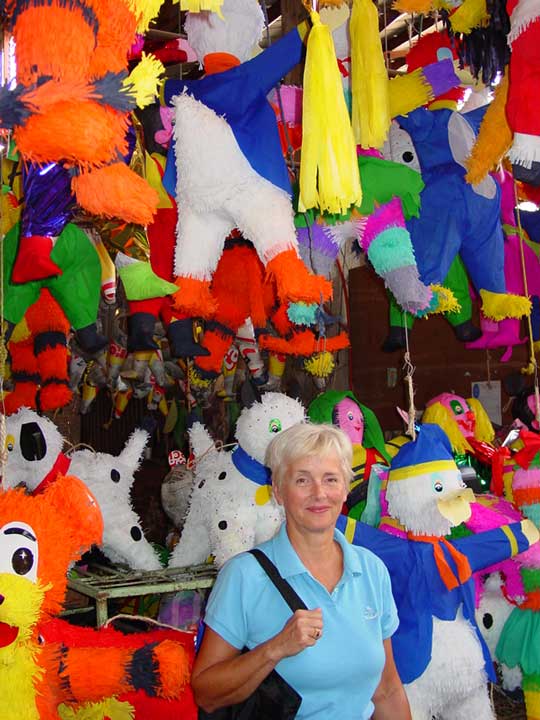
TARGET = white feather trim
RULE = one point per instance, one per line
(512, 678)
(200, 440)
(413, 502)
(132, 453)
(254, 428)
(109, 478)
(237, 33)
(264, 215)
(492, 612)
(454, 683)
(341, 233)
(218, 190)
(224, 517)
(525, 149)
(19, 470)
(398, 146)
(210, 165)
(525, 12)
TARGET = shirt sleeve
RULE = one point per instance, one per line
(225, 612)
(389, 619)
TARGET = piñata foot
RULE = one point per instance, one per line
(33, 260)
(294, 281)
(194, 297)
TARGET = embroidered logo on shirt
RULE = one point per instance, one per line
(370, 613)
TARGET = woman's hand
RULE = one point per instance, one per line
(302, 630)
(222, 676)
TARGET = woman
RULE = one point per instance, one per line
(338, 653)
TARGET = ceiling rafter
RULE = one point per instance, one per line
(398, 30)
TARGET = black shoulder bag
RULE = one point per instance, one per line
(274, 699)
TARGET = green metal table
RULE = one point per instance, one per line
(103, 583)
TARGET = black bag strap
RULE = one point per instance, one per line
(291, 597)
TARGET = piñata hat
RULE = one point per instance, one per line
(430, 452)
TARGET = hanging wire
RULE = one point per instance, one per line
(410, 29)
(180, 69)
(409, 372)
(386, 53)
(532, 368)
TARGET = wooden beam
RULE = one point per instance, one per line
(292, 13)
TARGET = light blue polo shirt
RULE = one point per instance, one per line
(339, 674)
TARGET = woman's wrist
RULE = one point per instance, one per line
(272, 652)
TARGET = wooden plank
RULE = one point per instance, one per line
(94, 583)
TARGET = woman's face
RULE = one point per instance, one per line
(313, 492)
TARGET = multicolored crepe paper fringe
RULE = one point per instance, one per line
(387, 243)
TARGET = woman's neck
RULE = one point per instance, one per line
(320, 554)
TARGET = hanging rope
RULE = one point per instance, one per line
(409, 372)
(532, 367)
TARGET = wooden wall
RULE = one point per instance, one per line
(442, 362)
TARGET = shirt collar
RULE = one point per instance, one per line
(289, 563)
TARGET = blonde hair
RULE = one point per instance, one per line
(306, 439)
(440, 415)
(483, 429)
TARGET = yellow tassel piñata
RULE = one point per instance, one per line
(145, 11)
(499, 306)
(494, 137)
(321, 364)
(329, 177)
(532, 697)
(369, 77)
(196, 380)
(109, 708)
(407, 92)
(469, 15)
(201, 6)
(144, 80)
(446, 300)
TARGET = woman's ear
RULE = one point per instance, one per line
(276, 493)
